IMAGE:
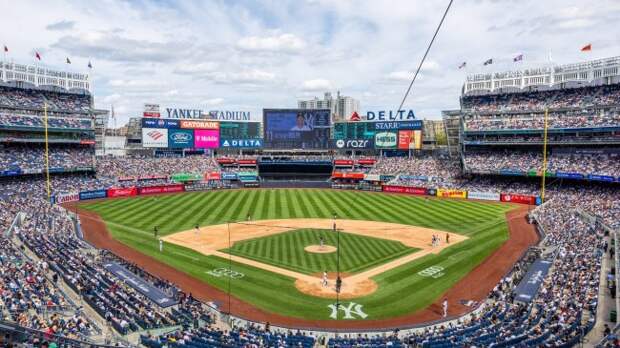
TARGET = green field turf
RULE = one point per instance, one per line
(401, 290)
(286, 250)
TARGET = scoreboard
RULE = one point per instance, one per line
(240, 130)
(354, 130)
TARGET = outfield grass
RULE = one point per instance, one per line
(286, 250)
(401, 290)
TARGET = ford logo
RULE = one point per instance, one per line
(181, 137)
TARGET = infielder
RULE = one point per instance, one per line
(324, 281)
(322, 243)
(161, 245)
(445, 307)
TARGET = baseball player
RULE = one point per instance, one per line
(155, 232)
(447, 238)
(324, 281)
(197, 229)
(322, 243)
(445, 307)
(161, 245)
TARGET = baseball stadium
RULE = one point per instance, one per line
(318, 224)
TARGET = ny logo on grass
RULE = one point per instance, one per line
(350, 311)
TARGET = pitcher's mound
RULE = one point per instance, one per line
(325, 249)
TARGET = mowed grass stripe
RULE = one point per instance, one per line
(402, 288)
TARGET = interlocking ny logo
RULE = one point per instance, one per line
(350, 311)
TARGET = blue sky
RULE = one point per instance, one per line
(246, 55)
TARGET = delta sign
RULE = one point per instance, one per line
(383, 115)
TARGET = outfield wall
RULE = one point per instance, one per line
(410, 190)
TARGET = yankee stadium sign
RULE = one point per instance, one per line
(400, 115)
(229, 115)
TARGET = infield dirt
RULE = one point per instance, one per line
(209, 240)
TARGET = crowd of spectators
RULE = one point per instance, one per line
(35, 99)
(32, 158)
(513, 160)
(16, 120)
(566, 296)
(140, 166)
(251, 336)
(554, 99)
(537, 120)
(28, 287)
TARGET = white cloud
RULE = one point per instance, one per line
(60, 26)
(316, 85)
(280, 43)
(214, 102)
(400, 75)
(178, 53)
(195, 69)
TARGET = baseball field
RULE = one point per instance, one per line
(270, 247)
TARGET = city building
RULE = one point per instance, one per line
(341, 107)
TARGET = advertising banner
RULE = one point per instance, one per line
(241, 143)
(404, 189)
(206, 138)
(518, 198)
(180, 138)
(161, 189)
(405, 139)
(343, 162)
(87, 142)
(67, 197)
(95, 194)
(225, 160)
(154, 137)
(140, 285)
(197, 124)
(368, 161)
(152, 177)
(606, 178)
(529, 285)
(347, 175)
(246, 162)
(485, 196)
(229, 176)
(182, 177)
(159, 123)
(569, 175)
(511, 172)
(213, 176)
(413, 177)
(11, 172)
(197, 187)
(151, 110)
(122, 192)
(372, 177)
(398, 125)
(386, 140)
(352, 144)
(451, 193)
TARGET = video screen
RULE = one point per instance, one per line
(296, 128)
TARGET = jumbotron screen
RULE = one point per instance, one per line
(296, 128)
(240, 130)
